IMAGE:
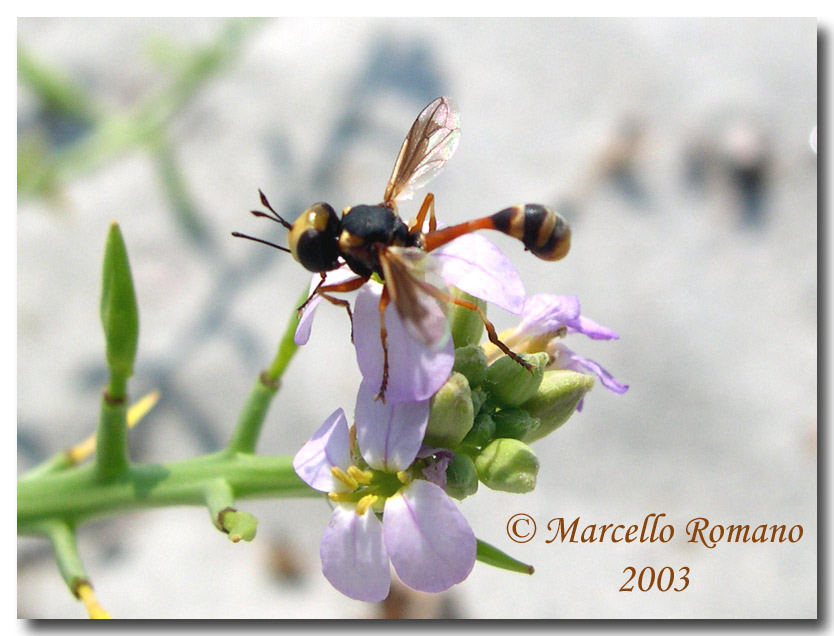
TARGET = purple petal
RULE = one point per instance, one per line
(435, 471)
(606, 378)
(328, 447)
(478, 267)
(592, 329)
(353, 555)
(544, 313)
(564, 358)
(415, 371)
(429, 541)
(389, 434)
(426, 321)
(305, 322)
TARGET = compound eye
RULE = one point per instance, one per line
(314, 238)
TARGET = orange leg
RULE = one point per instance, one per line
(490, 328)
(325, 290)
(426, 208)
(384, 300)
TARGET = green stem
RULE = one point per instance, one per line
(120, 132)
(287, 346)
(58, 462)
(62, 537)
(252, 416)
(111, 439)
(220, 501)
(218, 496)
(54, 89)
(77, 495)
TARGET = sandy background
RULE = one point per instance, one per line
(633, 127)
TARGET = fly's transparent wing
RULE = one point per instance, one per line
(415, 299)
(432, 140)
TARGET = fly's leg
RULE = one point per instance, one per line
(490, 328)
(314, 293)
(325, 290)
(426, 208)
(384, 299)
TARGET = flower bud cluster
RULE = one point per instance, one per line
(487, 414)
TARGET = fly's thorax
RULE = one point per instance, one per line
(365, 231)
(374, 224)
(314, 238)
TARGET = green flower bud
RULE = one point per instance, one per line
(238, 525)
(514, 423)
(508, 465)
(461, 477)
(452, 414)
(510, 384)
(466, 325)
(470, 360)
(556, 400)
(482, 432)
(479, 398)
(119, 313)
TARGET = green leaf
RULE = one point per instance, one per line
(491, 555)
(119, 312)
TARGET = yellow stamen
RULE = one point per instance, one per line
(85, 449)
(85, 593)
(363, 477)
(343, 477)
(340, 497)
(366, 502)
(403, 477)
(538, 343)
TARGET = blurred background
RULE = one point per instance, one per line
(679, 151)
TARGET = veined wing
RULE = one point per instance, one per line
(432, 140)
(405, 270)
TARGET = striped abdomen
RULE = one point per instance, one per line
(543, 231)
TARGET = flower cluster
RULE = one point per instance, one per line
(455, 415)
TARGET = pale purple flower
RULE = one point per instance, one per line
(545, 318)
(305, 322)
(422, 533)
(548, 313)
(417, 370)
(435, 472)
(390, 435)
(564, 358)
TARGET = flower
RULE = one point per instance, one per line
(422, 533)
(417, 370)
(545, 318)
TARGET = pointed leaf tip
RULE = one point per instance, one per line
(118, 308)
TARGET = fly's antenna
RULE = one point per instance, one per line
(257, 240)
(274, 216)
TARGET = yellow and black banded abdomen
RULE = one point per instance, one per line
(543, 231)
